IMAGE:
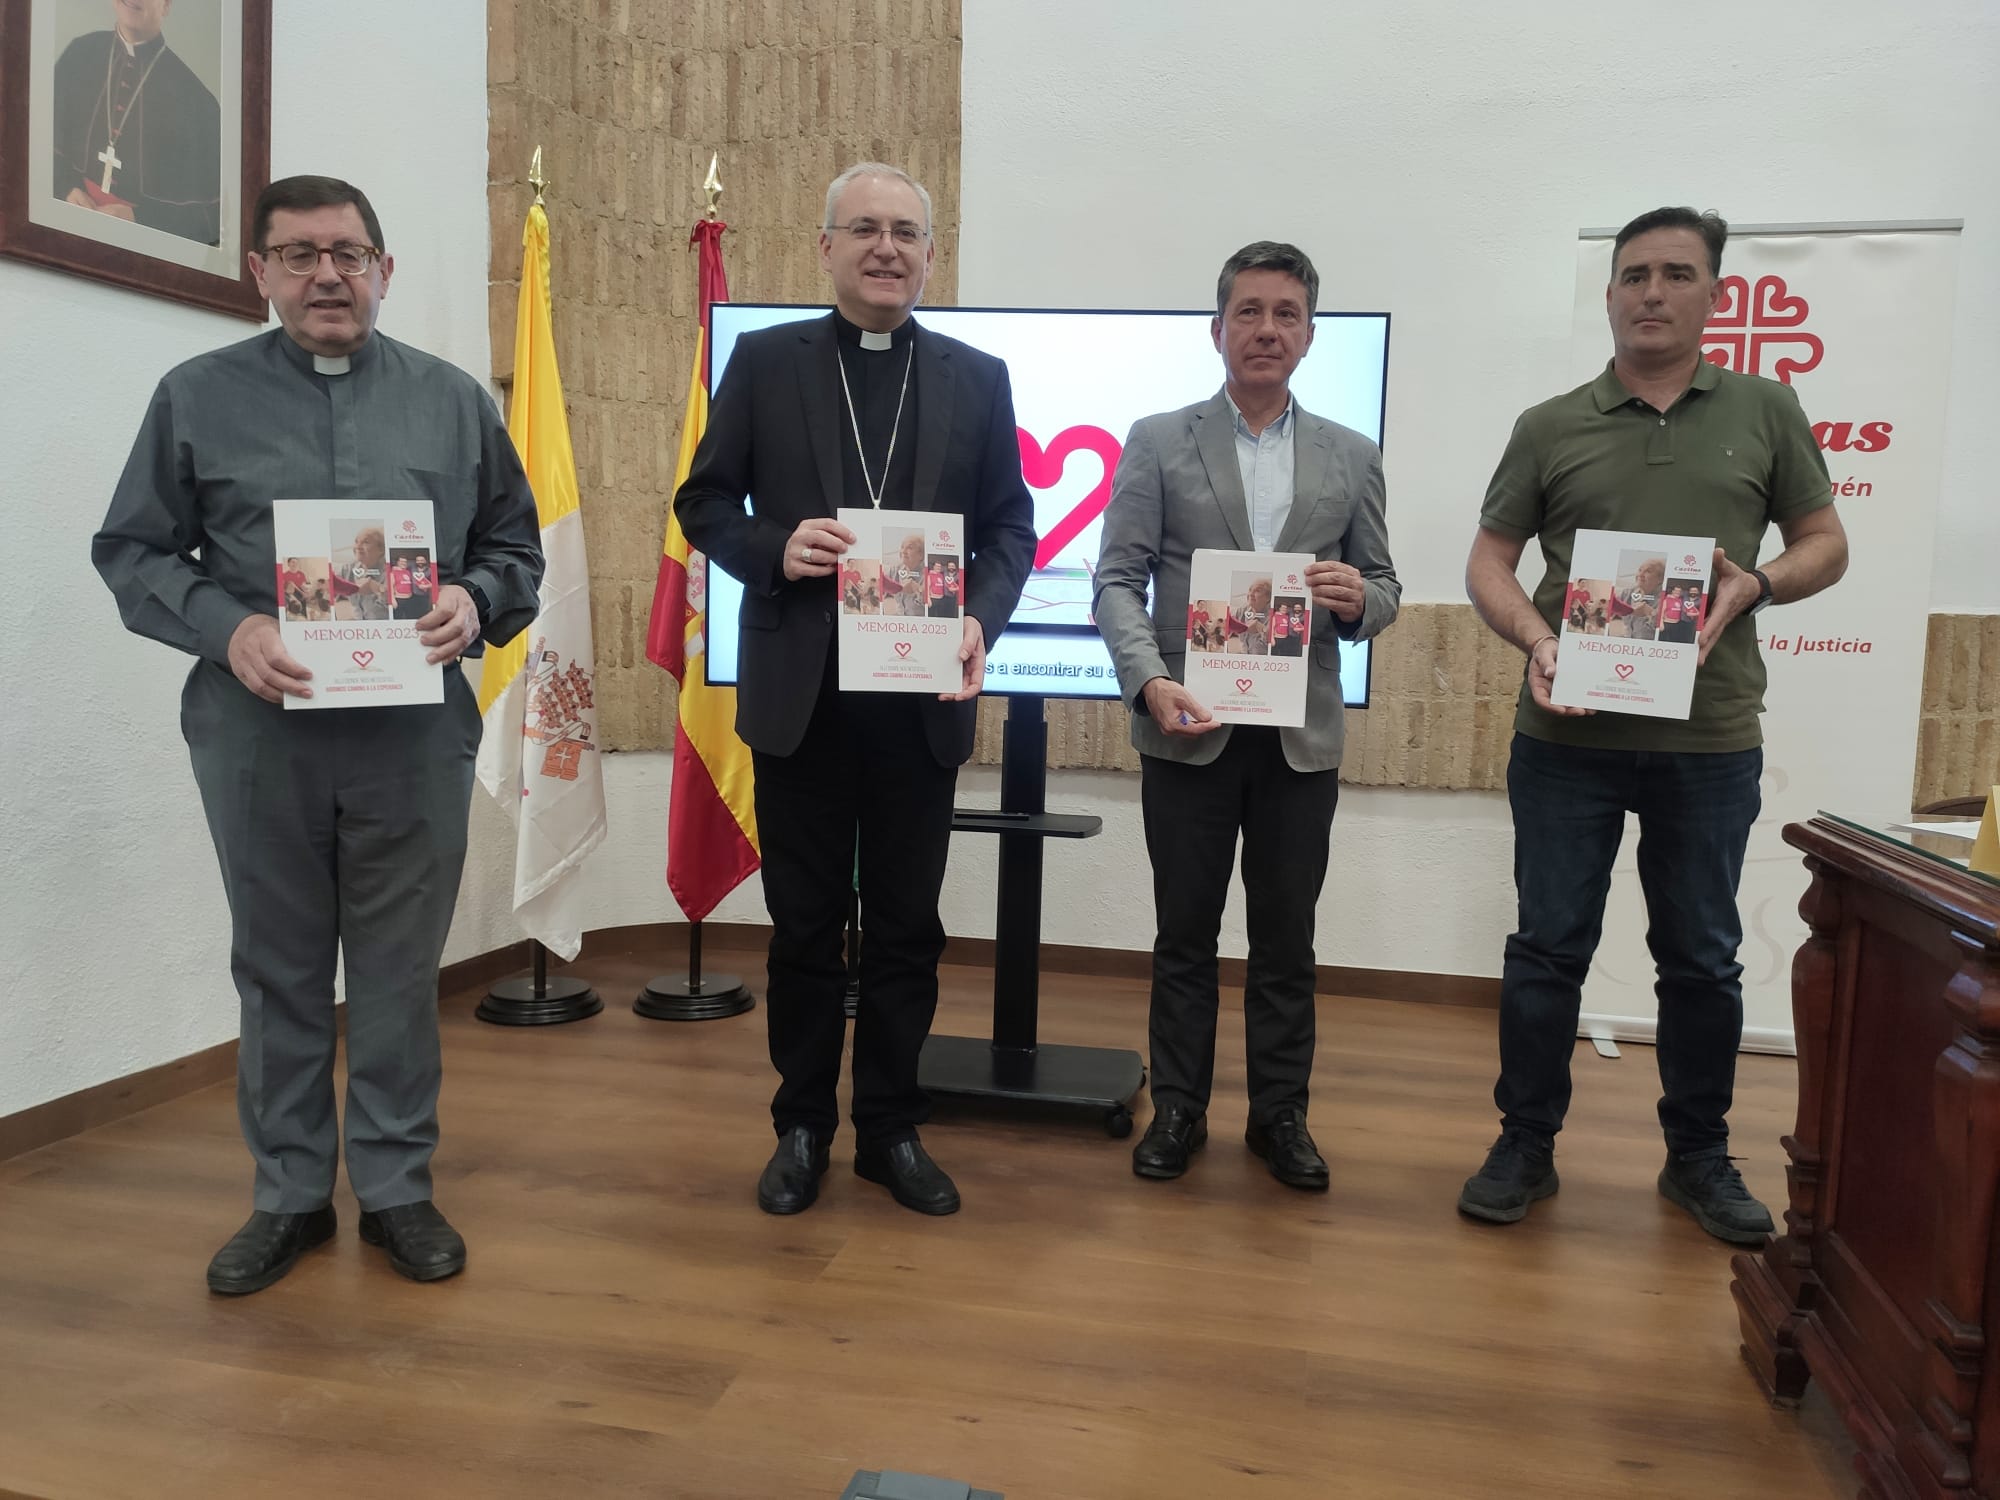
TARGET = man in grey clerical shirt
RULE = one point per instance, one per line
(343, 829)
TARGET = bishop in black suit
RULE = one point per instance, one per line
(862, 406)
(137, 135)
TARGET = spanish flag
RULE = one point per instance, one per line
(538, 755)
(711, 816)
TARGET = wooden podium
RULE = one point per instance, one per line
(1885, 1284)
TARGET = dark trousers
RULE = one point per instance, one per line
(340, 832)
(1695, 812)
(1193, 815)
(863, 780)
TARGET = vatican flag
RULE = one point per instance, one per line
(539, 755)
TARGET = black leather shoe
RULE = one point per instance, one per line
(1174, 1136)
(1288, 1150)
(1520, 1169)
(265, 1248)
(912, 1178)
(421, 1245)
(791, 1177)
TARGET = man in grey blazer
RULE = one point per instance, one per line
(1245, 470)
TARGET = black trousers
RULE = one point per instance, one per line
(862, 786)
(1193, 815)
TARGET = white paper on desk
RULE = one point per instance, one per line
(353, 578)
(1968, 830)
(901, 594)
(1249, 634)
(1630, 618)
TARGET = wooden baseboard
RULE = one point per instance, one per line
(482, 969)
(44, 1124)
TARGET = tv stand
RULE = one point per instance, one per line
(1014, 1065)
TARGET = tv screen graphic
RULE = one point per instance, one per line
(1081, 379)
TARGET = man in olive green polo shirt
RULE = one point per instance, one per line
(1662, 441)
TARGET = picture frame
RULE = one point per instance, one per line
(173, 99)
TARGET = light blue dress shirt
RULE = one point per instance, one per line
(1266, 463)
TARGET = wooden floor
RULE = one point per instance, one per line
(631, 1324)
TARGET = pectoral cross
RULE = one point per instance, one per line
(109, 156)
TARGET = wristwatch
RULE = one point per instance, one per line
(1763, 590)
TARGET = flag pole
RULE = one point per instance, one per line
(693, 996)
(538, 1000)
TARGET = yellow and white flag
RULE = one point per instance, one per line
(539, 755)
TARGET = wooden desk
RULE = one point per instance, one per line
(1885, 1284)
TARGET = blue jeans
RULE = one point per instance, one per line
(1695, 812)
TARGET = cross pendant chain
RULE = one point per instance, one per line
(875, 493)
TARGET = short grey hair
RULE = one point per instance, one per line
(1268, 255)
(872, 169)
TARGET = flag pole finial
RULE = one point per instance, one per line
(712, 187)
(535, 178)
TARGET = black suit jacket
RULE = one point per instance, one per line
(774, 436)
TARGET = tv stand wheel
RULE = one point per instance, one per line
(1118, 1124)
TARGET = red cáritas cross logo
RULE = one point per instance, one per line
(1759, 329)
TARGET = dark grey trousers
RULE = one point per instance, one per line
(339, 831)
(1193, 815)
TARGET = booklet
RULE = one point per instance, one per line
(353, 579)
(1630, 617)
(1249, 624)
(902, 601)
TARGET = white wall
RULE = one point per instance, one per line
(1436, 159)
(114, 942)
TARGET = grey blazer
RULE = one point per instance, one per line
(1179, 487)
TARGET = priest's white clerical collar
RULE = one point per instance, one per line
(854, 336)
(338, 364)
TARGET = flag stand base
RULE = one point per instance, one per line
(539, 1000)
(693, 996)
(673, 997)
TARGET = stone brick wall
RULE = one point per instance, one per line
(1958, 736)
(1441, 710)
(627, 99)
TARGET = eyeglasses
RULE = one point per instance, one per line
(301, 257)
(867, 231)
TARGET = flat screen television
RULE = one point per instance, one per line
(1081, 379)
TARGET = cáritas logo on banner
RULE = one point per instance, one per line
(1759, 329)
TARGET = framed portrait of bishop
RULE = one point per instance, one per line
(134, 138)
